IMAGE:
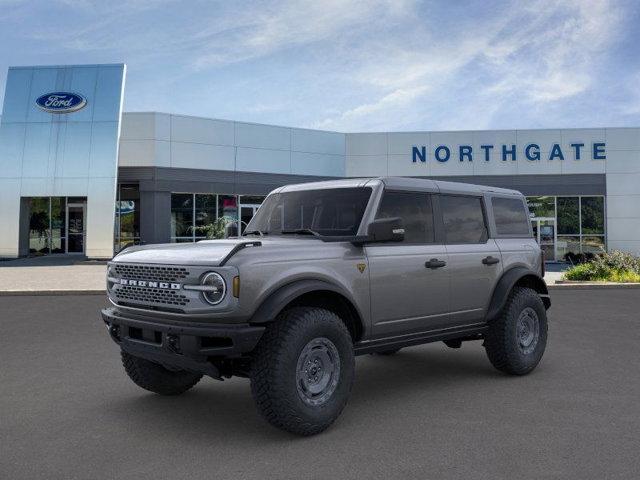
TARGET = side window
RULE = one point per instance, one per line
(415, 211)
(511, 216)
(463, 219)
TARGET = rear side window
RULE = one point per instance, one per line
(463, 219)
(415, 211)
(511, 216)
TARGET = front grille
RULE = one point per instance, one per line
(151, 272)
(159, 296)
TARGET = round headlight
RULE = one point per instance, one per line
(215, 288)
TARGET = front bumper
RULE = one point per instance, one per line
(188, 346)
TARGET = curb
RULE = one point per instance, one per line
(22, 293)
(591, 286)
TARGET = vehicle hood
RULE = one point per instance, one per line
(213, 252)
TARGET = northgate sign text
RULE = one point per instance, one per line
(531, 152)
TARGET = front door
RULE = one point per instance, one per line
(544, 231)
(75, 227)
(409, 280)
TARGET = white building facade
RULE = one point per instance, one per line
(177, 173)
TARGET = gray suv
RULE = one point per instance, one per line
(326, 271)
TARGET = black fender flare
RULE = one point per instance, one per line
(281, 297)
(506, 284)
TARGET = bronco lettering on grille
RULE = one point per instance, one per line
(150, 284)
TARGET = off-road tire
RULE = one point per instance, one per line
(274, 372)
(502, 341)
(157, 379)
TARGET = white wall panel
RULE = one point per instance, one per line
(623, 229)
(623, 184)
(197, 155)
(314, 141)
(402, 165)
(623, 206)
(631, 246)
(366, 166)
(623, 139)
(100, 211)
(140, 153)
(139, 126)
(263, 160)
(10, 201)
(623, 161)
(263, 136)
(367, 144)
(400, 143)
(303, 163)
(201, 130)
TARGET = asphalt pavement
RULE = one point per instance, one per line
(68, 411)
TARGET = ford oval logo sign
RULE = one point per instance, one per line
(61, 102)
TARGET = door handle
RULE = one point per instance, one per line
(490, 260)
(435, 263)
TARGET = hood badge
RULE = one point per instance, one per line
(361, 267)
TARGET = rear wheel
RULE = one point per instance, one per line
(156, 378)
(516, 341)
(303, 370)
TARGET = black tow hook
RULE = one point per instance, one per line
(173, 343)
(114, 331)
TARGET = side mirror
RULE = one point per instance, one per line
(386, 230)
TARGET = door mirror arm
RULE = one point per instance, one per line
(385, 230)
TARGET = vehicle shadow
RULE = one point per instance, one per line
(220, 410)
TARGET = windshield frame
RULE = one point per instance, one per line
(261, 218)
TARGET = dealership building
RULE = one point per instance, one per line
(80, 176)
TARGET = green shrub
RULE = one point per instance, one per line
(215, 230)
(614, 266)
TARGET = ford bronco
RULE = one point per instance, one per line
(323, 272)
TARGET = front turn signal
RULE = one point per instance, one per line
(236, 287)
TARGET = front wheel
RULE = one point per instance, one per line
(516, 341)
(303, 369)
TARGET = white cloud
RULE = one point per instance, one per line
(349, 64)
(534, 53)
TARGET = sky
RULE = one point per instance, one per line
(350, 65)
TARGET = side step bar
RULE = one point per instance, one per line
(469, 332)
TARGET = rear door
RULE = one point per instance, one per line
(475, 264)
(409, 279)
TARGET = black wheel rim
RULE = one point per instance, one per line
(317, 371)
(528, 330)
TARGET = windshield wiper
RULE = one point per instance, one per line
(255, 232)
(301, 231)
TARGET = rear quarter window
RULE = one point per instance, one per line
(463, 219)
(511, 216)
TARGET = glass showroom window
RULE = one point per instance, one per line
(189, 211)
(39, 225)
(580, 222)
(127, 220)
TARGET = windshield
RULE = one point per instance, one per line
(328, 212)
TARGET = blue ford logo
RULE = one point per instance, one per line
(61, 102)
